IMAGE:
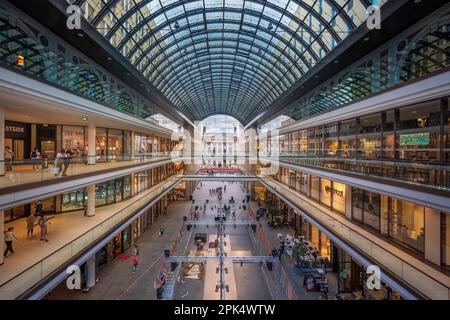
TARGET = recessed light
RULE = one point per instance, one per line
(366, 39)
(80, 34)
(336, 61)
(109, 58)
(417, 1)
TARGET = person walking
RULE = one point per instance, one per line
(8, 156)
(9, 237)
(30, 224)
(38, 210)
(59, 160)
(135, 263)
(35, 155)
(43, 224)
(66, 162)
(135, 250)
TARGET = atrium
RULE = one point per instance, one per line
(224, 150)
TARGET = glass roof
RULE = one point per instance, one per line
(231, 57)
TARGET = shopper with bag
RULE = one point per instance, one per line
(35, 157)
(59, 160)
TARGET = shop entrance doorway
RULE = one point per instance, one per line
(16, 146)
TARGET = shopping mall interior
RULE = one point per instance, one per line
(224, 150)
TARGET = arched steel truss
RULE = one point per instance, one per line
(231, 57)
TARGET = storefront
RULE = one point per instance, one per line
(105, 193)
(117, 246)
(400, 221)
(136, 227)
(75, 138)
(17, 213)
(142, 180)
(46, 140)
(112, 144)
(179, 192)
(126, 238)
(18, 139)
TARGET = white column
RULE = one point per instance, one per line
(433, 236)
(2, 143)
(2, 236)
(90, 272)
(91, 143)
(91, 201)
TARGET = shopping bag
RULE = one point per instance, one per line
(54, 170)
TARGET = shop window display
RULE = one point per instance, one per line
(73, 137)
(339, 197)
(331, 140)
(100, 194)
(304, 183)
(407, 223)
(326, 192)
(347, 139)
(418, 134)
(294, 143)
(315, 188)
(357, 204)
(325, 247)
(344, 275)
(72, 201)
(388, 135)
(115, 144)
(100, 144)
(303, 142)
(366, 208)
(127, 187)
(370, 137)
(372, 209)
(110, 185)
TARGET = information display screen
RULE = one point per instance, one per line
(415, 139)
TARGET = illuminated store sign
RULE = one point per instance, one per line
(415, 139)
(339, 193)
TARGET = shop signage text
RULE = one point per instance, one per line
(339, 193)
(15, 130)
(74, 279)
(374, 277)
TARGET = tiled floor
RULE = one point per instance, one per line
(243, 282)
(117, 282)
(115, 278)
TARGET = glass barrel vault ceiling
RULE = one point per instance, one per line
(231, 57)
